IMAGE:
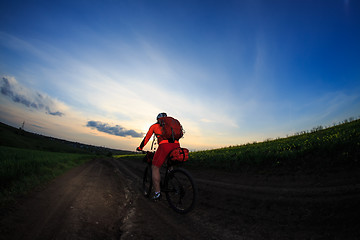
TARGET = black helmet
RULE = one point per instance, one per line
(160, 115)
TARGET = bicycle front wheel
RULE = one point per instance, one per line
(147, 181)
(180, 189)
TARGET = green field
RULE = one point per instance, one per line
(317, 151)
(28, 160)
(321, 150)
(22, 169)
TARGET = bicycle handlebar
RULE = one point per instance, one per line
(143, 151)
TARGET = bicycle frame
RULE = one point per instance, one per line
(177, 184)
(167, 167)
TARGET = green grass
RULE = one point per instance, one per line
(28, 160)
(22, 169)
(322, 150)
(319, 151)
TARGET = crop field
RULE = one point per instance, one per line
(22, 169)
(318, 150)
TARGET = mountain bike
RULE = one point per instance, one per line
(176, 182)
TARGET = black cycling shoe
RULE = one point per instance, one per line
(156, 197)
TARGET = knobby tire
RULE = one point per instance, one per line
(181, 191)
(147, 181)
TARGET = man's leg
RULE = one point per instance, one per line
(156, 177)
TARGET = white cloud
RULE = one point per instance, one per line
(113, 130)
(32, 99)
(132, 93)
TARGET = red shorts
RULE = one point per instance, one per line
(162, 152)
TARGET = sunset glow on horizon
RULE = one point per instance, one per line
(232, 72)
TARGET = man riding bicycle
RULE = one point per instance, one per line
(165, 147)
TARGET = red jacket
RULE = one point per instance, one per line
(154, 129)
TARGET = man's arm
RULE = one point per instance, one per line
(146, 138)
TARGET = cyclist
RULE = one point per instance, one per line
(165, 147)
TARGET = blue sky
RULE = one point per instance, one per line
(232, 72)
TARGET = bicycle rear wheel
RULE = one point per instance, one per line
(147, 181)
(180, 189)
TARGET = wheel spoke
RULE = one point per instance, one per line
(181, 193)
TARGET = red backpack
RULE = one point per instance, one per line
(171, 128)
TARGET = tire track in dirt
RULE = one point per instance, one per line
(103, 200)
(156, 220)
(263, 209)
(85, 203)
(285, 193)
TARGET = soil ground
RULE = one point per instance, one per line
(102, 199)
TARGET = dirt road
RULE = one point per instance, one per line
(102, 200)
